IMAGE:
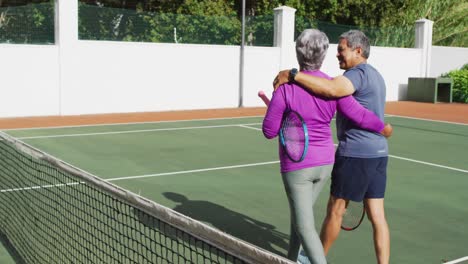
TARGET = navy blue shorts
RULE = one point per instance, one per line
(359, 178)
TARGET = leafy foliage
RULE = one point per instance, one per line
(387, 22)
(449, 16)
(27, 23)
(102, 23)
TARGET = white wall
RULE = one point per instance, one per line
(396, 65)
(96, 77)
(76, 77)
(261, 66)
(29, 80)
(445, 59)
(138, 77)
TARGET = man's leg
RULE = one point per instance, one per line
(376, 214)
(331, 226)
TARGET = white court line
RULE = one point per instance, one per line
(133, 123)
(254, 128)
(457, 260)
(192, 171)
(135, 131)
(430, 120)
(428, 163)
(424, 162)
(204, 170)
(256, 164)
(40, 187)
(169, 129)
(144, 176)
(189, 120)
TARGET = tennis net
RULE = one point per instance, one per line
(52, 212)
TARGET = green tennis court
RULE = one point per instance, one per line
(223, 172)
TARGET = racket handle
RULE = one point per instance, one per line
(264, 98)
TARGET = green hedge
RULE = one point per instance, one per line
(460, 84)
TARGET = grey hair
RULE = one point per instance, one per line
(311, 48)
(357, 39)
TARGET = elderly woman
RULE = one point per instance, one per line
(304, 180)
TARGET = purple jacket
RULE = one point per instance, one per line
(317, 112)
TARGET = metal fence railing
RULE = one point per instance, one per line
(27, 24)
(98, 23)
(388, 37)
(34, 24)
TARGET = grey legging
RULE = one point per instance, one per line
(302, 188)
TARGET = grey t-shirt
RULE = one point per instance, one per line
(370, 92)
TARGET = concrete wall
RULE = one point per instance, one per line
(30, 78)
(445, 59)
(75, 77)
(124, 77)
(118, 77)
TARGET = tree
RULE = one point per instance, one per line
(449, 16)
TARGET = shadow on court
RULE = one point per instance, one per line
(238, 225)
(11, 250)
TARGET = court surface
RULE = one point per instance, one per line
(223, 172)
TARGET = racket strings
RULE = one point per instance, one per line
(294, 136)
(353, 215)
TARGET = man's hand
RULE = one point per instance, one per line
(281, 78)
(387, 131)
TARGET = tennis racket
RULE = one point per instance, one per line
(294, 136)
(353, 215)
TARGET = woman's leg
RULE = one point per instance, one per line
(302, 188)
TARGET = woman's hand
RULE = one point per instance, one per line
(387, 131)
